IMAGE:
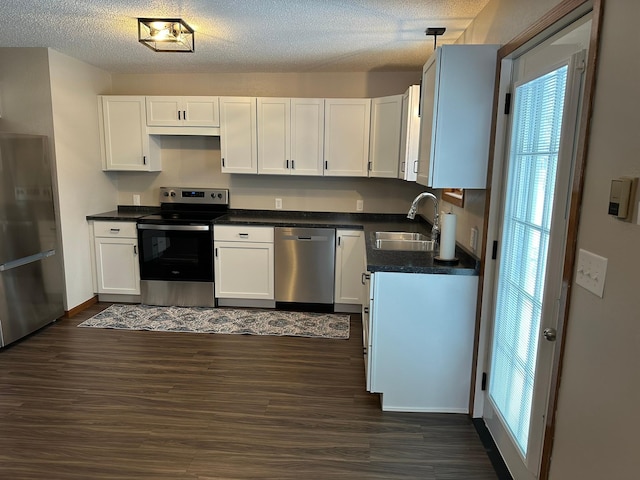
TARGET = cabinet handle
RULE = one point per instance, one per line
(293, 165)
(179, 115)
(135, 249)
(216, 252)
(184, 114)
(402, 166)
(326, 165)
(369, 166)
(115, 230)
(144, 160)
(339, 238)
(223, 162)
(244, 235)
(366, 309)
(365, 277)
(415, 166)
(287, 163)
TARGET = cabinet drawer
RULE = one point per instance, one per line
(115, 229)
(238, 233)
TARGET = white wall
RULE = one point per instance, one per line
(597, 420)
(83, 188)
(193, 161)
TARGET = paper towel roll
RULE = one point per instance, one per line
(447, 236)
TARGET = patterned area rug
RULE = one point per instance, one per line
(221, 320)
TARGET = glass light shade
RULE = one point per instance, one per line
(166, 34)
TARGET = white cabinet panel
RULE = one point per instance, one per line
(238, 138)
(386, 123)
(274, 135)
(457, 102)
(346, 141)
(182, 111)
(116, 258)
(422, 331)
(126, 145)
(244, 270)
(410, 134)
(350, 265)
(307, 136)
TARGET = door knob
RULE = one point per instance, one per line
(550, 334)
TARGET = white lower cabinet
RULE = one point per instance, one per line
(421, 332)
(116, 258)
(350, 264)
(243, 262)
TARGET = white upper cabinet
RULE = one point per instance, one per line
(274, 135)
(126, 144)
(290, 136)
(238, 138)
(386, 122)
(457, 101)
(307, 136)
(346, 140)
(410, 134)
(183, 111)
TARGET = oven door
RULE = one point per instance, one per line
(176, 252)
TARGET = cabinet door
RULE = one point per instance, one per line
(350, 265)
(244, 270)
(386, 123)
(427, 126)
(117, 268)
(238, 141)
(200, 112)
(457, 106)
(126, 144)
(274, 135)
(307, 136)
(346, 141)
(163, 111)
(410, 134)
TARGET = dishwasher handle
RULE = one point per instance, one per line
(306, 238)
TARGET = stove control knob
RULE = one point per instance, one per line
(213, 195)
(166, 194)
(219, 195)
(173, 194)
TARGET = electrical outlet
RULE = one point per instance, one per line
(359, 205)
(278, 204)
(473, 239)
(136, 199)
(592, 271)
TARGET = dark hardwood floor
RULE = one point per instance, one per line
(84, 403)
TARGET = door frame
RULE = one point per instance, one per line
(559, 17)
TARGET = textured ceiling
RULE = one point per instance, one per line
(242, 35)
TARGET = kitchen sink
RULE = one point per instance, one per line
(404, 241)
(403, 236)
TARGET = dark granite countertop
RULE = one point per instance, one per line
(377, 260)
(124, 213)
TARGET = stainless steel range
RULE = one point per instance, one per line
(176, 247)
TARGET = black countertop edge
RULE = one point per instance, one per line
(377, 260)
(124, 213)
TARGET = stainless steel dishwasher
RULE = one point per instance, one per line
(305, 264)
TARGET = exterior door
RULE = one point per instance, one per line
(537, 177)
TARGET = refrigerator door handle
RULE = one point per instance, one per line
(26, 260)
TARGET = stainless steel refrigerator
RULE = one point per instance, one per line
(31, 282)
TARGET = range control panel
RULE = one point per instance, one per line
(202, 196)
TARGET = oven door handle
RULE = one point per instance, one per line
(187, 228)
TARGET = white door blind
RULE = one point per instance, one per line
(533, 157)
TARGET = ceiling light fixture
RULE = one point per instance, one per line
(436, 32)
(166, 34)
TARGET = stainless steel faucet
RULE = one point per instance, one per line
(435, 230)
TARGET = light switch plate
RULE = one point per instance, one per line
(592, 271)
(278, 203)
(136, 199)
(359, 205)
